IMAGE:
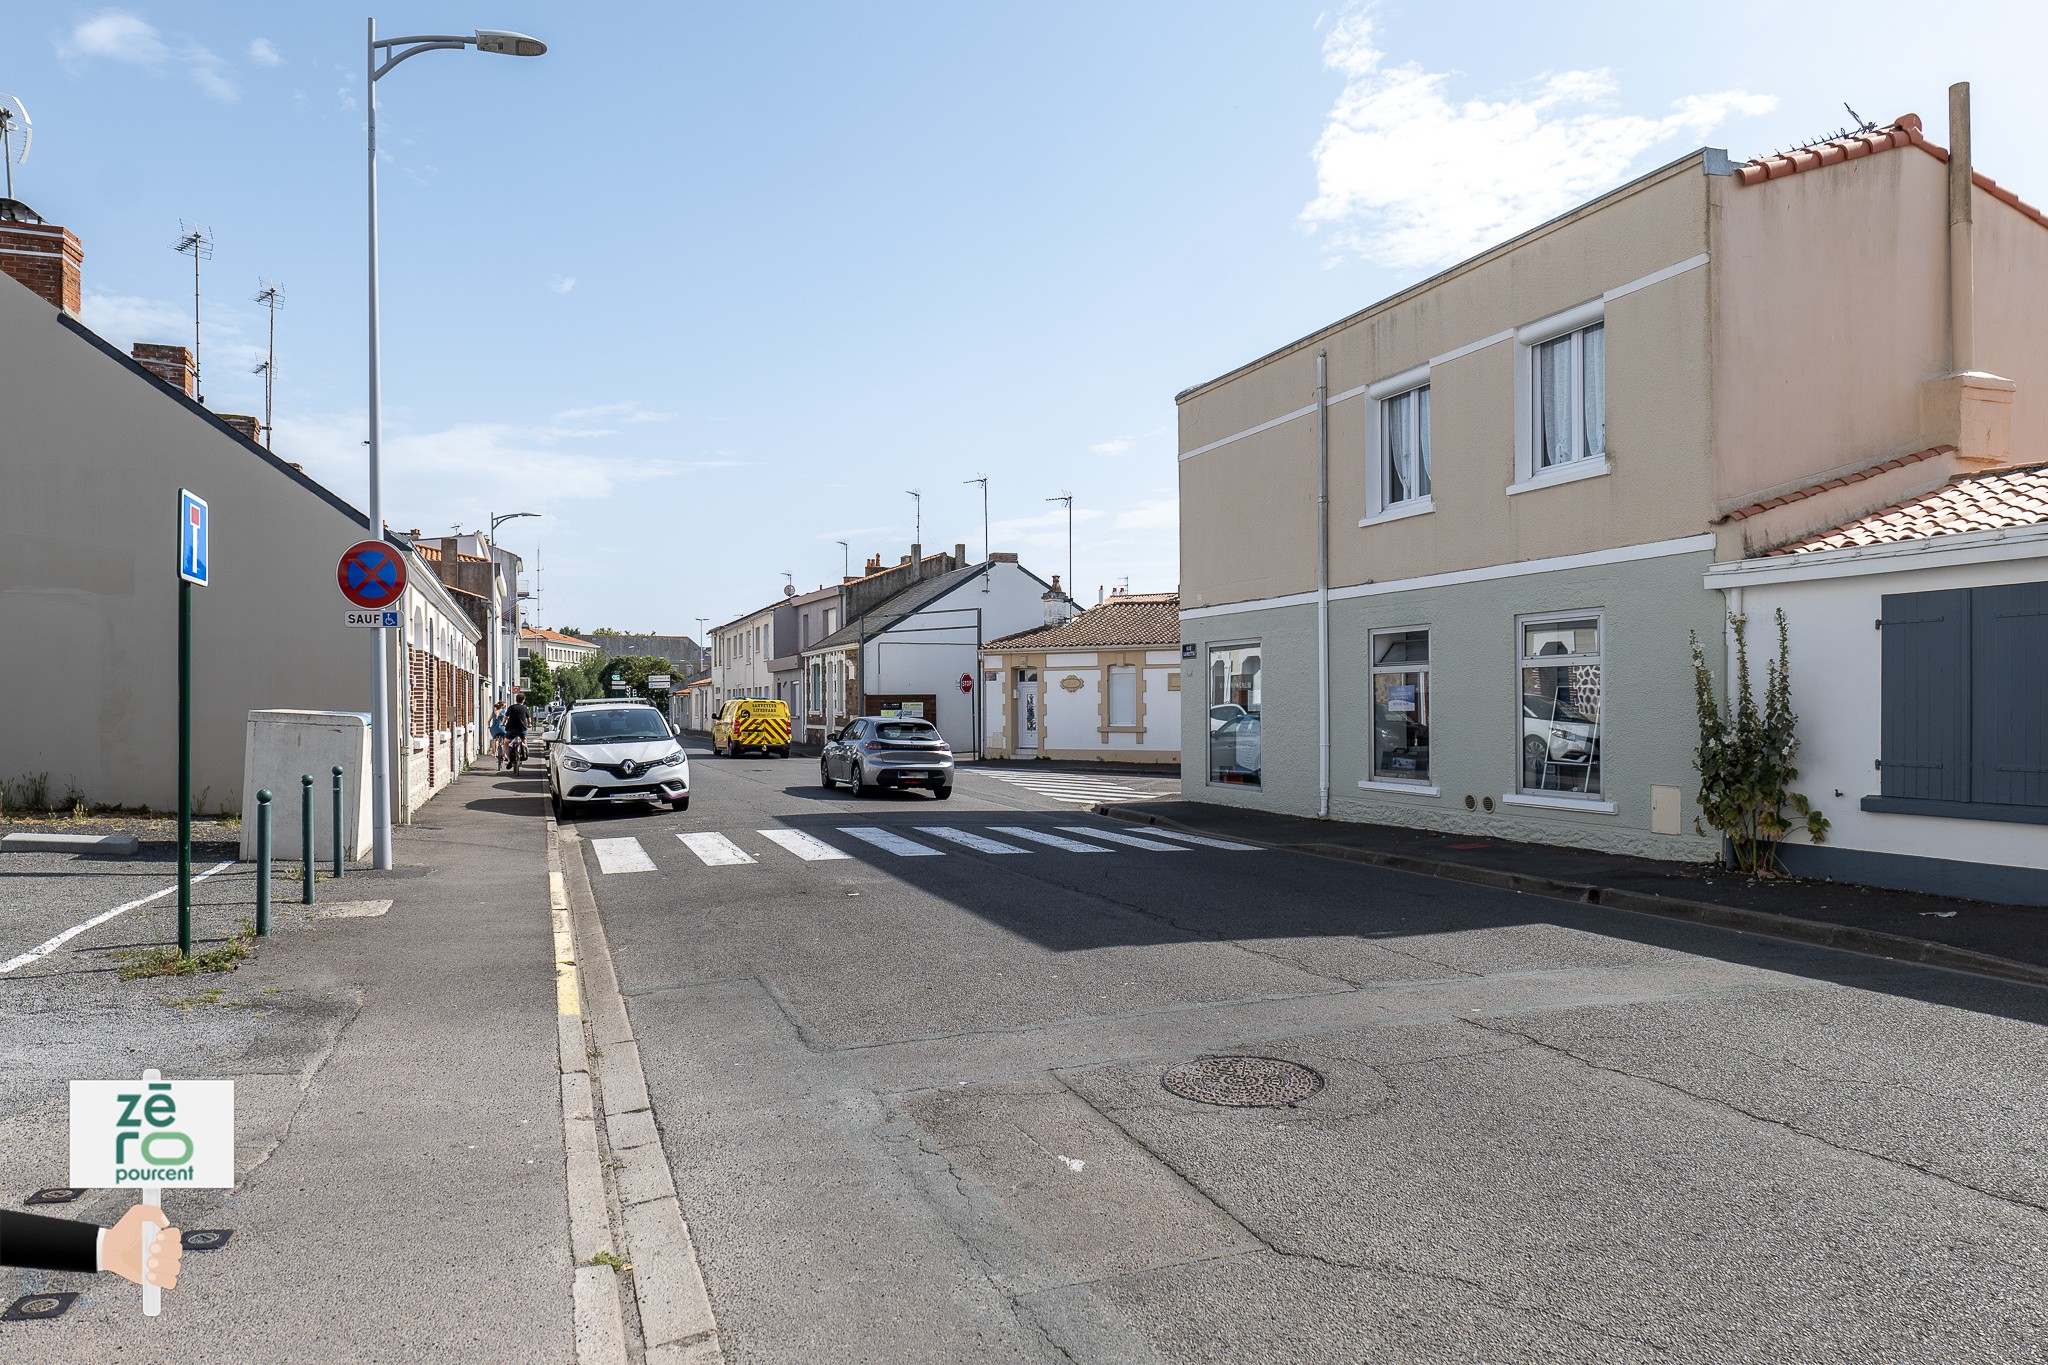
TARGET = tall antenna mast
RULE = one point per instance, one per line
(15, 132)
(197, 240)
(1068, 499)
(917, 500)
(270, 296)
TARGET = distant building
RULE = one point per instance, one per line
(686, 654)
(553, 648)
(1103, 685)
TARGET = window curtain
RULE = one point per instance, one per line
(1398, 440)
(1422, 442)
(1554, 402)
(1594, 349)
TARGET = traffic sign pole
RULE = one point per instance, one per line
(372, 574)
(184, 767)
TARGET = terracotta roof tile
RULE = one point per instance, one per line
(1145, 619)
(1812, 490)
(543, 633)
(1904, 131)
(1974, 502)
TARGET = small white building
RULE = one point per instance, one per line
(553, 648)
(1919, 662)
(1103, 685)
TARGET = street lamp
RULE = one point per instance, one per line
(393, 51)
(508, 516)
(508, 662)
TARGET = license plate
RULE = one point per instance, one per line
(908, 774)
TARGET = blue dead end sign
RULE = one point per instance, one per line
(371, 573)
(194, 554)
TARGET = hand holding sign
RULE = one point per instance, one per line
(123, 1252)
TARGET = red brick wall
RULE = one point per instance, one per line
(44, 257)
(172, 364)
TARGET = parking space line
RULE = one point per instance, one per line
(49, 946)
(621, 855)
(967, 839)
(1207, 842)
(715, 850)
(891, 842)
(1039, 836)
(802, 845)
(1119, 837)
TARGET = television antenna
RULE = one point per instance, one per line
(195, 238)
(15, 135)
(270, 296)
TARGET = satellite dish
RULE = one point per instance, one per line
(15, 133)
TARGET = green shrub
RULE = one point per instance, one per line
(1745, 757)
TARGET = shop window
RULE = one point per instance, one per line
(1400, 706)
(1562, 705)
(1236, 682)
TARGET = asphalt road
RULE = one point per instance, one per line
(914, 1104)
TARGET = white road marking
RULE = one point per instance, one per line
(1039, 836)
(1207, 842)
(966, 839)
(802, 845)
(891, 841)
(1078, 788)
(621, 855)
(49, 946)
(715, 850)
(1119, 837)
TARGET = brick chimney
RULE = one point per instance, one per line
(250, 427)
(41, 255)
(172, 364)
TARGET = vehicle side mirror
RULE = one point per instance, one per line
(676, 729)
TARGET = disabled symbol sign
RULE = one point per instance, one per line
(371, 574)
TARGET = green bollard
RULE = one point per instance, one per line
(337, 820)
(263, 863)
(306, 839)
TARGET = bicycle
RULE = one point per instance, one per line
(515, 747)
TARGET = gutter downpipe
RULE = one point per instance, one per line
(1322, 585)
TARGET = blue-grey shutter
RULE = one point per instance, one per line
(1926, 681)
(2009, 687)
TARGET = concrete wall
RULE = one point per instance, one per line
(1650, 723)
(283, 748)
(1836, 656)
(92, 454)
(1248, 507)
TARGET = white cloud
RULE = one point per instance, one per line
(626, 412)
(1119, 446)
(1159, 514)
(562, 284)
(116, 36)
(125, 319)
(1407, 178)
(264, 53)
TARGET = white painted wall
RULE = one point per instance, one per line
(1836, 655)
(1071, 721)
(945, 644)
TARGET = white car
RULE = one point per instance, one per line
(617, 751)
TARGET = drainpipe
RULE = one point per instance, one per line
(1322, 585)
(1962, 291)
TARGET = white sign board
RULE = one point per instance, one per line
(375, 617)
(659, 682)
(152, 1132)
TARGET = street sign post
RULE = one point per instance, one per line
(966, 682)
(195, 565)
(149, 1133)
(660, 682)
(371, 576)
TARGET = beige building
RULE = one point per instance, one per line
(1472, 613)
(554, 648)
(1100, 686)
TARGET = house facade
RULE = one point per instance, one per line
(1478, 618)
(554, 648)
(740, 651)
(1100, 686)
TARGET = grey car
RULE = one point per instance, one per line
(888, 751)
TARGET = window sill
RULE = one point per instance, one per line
(1401, 511)
(1375, 784)
(1578, 803)
(1957, 810)
(1564, 473)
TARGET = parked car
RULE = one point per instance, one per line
(887, 751)
(617, 751)
(1555, 732)
(751, 723)
(1220, 716)
(1234, 749)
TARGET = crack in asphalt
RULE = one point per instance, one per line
(1789, 1125)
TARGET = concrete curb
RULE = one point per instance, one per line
(96, 845)
(676, 1321)
(1845, 938)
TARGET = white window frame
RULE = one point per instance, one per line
(1596, 803)
(1412, 786)
(1376, 509)
(1528, 474)
(1110, 672)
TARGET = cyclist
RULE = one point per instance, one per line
(515, 719)
(498, 732)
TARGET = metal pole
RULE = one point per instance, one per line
(339, 867)
(306, 870)
(1322, 585)
(263, 863)
(184, 767)
(270, 382)
(380, 677)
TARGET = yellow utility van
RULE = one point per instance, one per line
(751, 723)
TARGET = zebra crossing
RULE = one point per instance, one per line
(711, 849)
(1077, 788)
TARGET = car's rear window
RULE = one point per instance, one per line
(616, 727)
(899, 729)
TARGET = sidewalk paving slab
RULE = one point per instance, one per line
(2009, 941)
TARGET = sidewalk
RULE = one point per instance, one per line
(1999, 940)
(400, 1149)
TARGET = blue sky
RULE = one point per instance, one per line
(711, 286)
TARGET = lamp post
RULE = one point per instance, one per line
(982, 479)
(1068, 499)
(508, 650)
(398, 49)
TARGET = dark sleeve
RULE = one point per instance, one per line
(37, 1243)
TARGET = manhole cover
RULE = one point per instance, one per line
(206, 1239)
(1243, 1082)
(29, 1307)
(58, 1195)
